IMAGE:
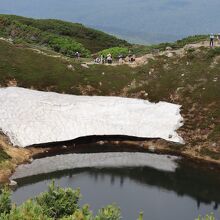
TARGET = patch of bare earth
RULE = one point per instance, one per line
(18, 156)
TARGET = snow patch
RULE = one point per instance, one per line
(31, 117)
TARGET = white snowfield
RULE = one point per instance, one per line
(31, 117)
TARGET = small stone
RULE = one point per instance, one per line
(70, 67)
(188, 47)
(168, 48)
(170, 55)
(101, 142)
(13, 183)
(64, 146)
(151, 148)
(85, 65)
(30, 160)
(214, 145)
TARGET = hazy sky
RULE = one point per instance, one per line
(153, 17)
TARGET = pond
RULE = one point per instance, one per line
(163, 187)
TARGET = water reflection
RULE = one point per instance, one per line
(188, 191)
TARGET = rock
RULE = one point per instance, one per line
(11, 83)
(169, 48)
(101, 142)
(169, 55)
(151, 148)
(70, 67)
(30, 160)
(214, 145)
(188, 47)
(85, 65)
(33, 38)
(151, 71)
(13, 183)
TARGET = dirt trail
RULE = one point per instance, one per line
(169, 52)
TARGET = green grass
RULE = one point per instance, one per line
(3, 156)
(91, 39)
(212, 154)
(143, 49)
(188, 80)
(115, 52)
(41, 72)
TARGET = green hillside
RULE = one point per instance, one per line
(61, 36)
(39, 56)
(191, 80)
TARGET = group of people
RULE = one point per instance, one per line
(212, 39)
(109, 59)
(102, 59)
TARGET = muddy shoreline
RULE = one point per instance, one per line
(96, 144)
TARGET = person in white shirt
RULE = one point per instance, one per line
(212, 37)
(218, 38)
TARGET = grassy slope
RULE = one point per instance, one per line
(35, 70)
(143, 49)
(91, 39)
(189, 80)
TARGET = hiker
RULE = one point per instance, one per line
(102, 59)
(212, 37)
(77, 54)
(218, 38)
(109, 59)
(133, 58)
(97, 60)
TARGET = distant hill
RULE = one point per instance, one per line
(139, 37)
(59, 35)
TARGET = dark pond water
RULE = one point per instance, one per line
(182, 194)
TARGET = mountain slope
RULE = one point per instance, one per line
(52, 32)
(190, 78)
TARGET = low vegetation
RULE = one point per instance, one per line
(65, 37)
(59, 204)
(3, 156)
(143, 49)
(207, 217)
(190, 79)
(115, 52)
